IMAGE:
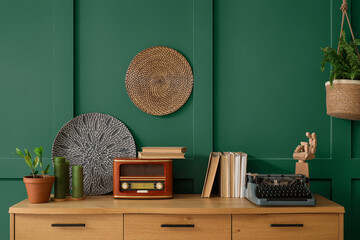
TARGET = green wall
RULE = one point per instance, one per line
(269, 91)
(36, 95)
(108, 35)
(257, 84)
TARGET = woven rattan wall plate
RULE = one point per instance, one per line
(159, 80)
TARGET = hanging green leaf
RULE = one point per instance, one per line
(345, 63)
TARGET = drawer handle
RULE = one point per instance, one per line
(178, 225)
(286, 225)
(68, 225)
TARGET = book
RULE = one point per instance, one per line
(229, 170)
(206, 175)
(243, 174)
(164, 149)
(210, 174)
(237, 166)
(232, 174)
(151, 155)
(225, 175)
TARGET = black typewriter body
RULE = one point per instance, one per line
(277, 190)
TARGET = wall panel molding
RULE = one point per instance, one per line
(63, 64)
(203, 88)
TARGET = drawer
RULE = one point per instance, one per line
(286, 226)
(39, 227)
(152, 226)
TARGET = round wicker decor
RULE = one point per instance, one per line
(159, 80)
(93, 140)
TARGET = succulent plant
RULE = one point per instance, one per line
(33, 163)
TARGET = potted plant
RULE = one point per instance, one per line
(38, 187)
(343, 87)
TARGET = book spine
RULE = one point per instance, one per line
(222, 176)
(163, 150)
(206, 176)
(161, 155)
(237, 175)
(243, 174)
(232, 175)
(228, 177)
(225, 176)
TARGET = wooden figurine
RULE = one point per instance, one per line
(305, 151)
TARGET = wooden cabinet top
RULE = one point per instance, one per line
(180, 204)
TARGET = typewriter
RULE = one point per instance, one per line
(273, 189)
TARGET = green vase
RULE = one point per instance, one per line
(77, 182)
(60, 175)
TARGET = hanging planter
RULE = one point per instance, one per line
(343, 89)
(343, 99)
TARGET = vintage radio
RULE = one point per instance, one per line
(143, 178)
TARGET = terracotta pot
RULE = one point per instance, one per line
(39, 189)
(343, 99)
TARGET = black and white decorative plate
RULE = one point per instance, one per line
(92, 140)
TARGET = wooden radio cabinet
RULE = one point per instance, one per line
(183, 217)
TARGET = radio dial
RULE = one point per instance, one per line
(125, 185)
(159, 185)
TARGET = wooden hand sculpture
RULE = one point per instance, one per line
(305, 151)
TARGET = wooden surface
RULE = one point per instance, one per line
(341, 226)
(215, 218)
(180, 204)
(145, 226)
(257, 227)
(97, 227)
(12, 226)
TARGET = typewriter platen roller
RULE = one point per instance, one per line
(272, 189)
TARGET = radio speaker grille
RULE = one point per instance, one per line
(141, 170)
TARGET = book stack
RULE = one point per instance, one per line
(230, 169)
(162, 153)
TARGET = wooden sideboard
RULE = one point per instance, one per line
(183, 217)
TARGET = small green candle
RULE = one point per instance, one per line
(59, 160)
(77, 182)
(67, 178)
(59, 172)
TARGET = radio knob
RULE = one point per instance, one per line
(125, 185)
(159, 185)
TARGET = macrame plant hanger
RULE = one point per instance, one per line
(343, 89)
(344, 8)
